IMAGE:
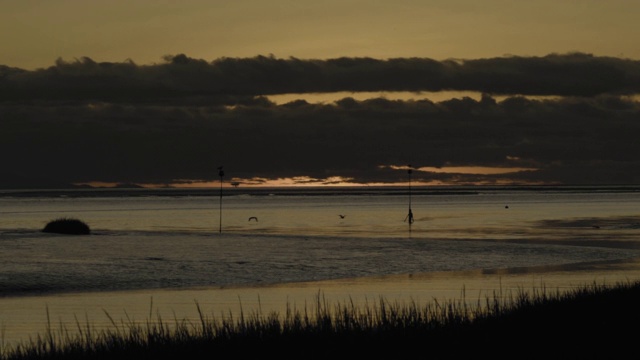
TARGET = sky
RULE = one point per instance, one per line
(34, 33)
(318, 92)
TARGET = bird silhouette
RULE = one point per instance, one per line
(253, 218)
(342, 216)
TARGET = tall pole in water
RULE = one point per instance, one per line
(221, 174)
(409, 217)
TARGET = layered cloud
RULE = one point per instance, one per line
(223, 79)
(84, 121)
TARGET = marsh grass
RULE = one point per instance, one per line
(67, 226)
(590, 322)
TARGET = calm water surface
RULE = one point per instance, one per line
(439, 214)
(171, 239)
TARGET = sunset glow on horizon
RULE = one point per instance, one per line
(337, 181)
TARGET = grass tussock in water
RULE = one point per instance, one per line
(67, 226)
(591, 322)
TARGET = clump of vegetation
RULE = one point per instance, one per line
(67, 226)
(592, 322)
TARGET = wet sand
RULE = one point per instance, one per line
(23, 318)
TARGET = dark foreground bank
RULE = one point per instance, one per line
(591, 322)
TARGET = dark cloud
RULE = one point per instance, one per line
(229, 80)
(86, 121)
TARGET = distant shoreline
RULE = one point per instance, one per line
(311, 191)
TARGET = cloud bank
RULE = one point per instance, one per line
(83, 121)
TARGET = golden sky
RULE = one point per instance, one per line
(34, 33)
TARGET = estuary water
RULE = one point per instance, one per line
(189, 238)
(254, 249)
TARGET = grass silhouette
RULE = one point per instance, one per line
(589, 322)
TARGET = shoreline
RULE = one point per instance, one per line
(25, 317)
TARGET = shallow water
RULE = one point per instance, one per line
(163, 239)
(474, 213)
(148, 261)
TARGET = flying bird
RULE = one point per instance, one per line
(342, 216)
(253, 218)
